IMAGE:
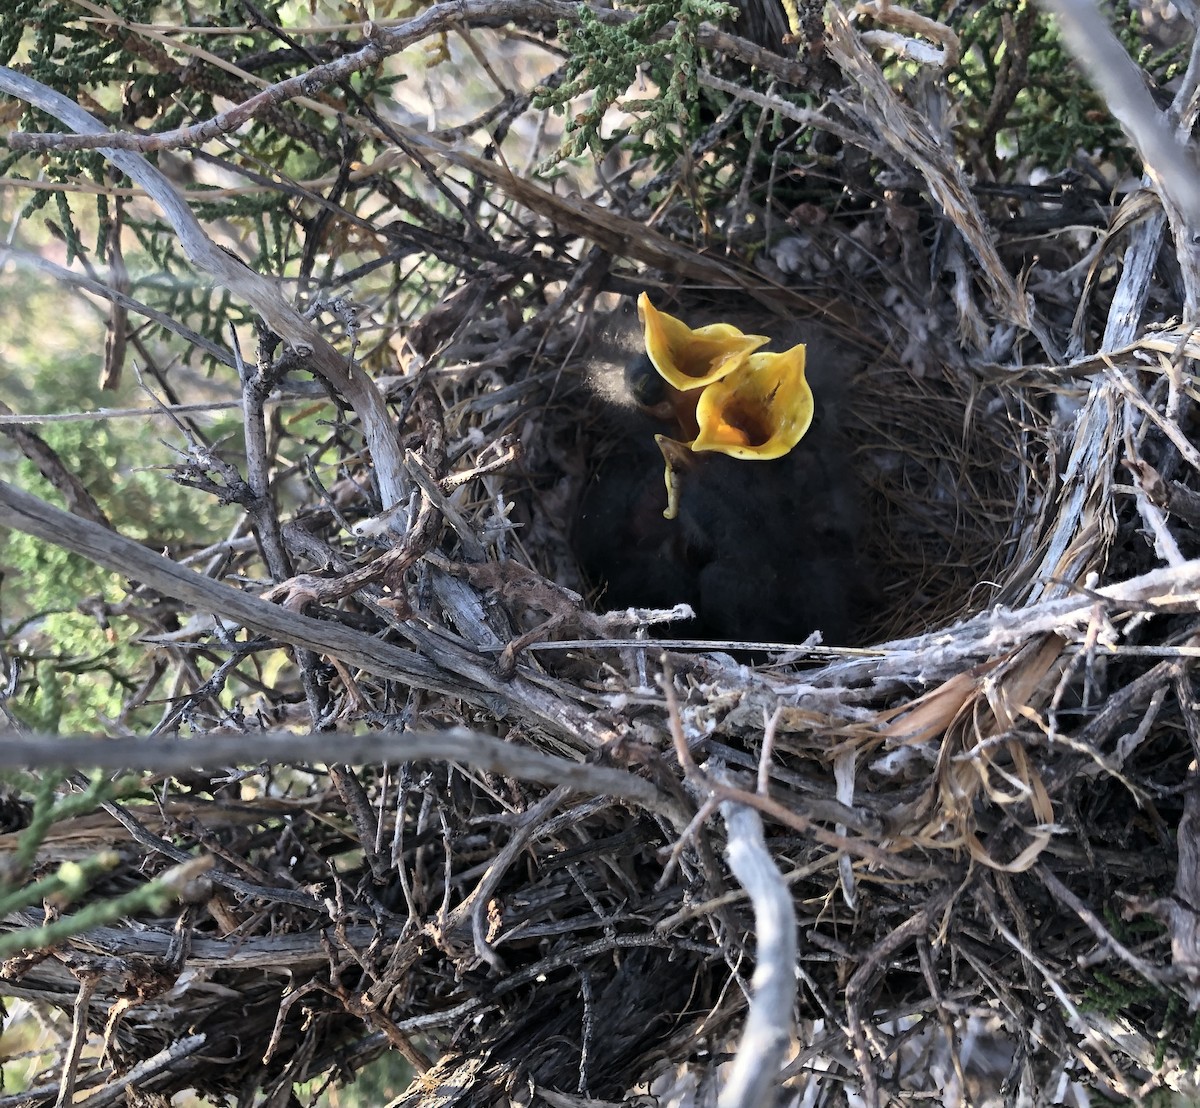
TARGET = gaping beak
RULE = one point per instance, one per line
(690, 358)
(760, 411)
(747, 405)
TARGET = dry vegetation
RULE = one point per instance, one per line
(955, 860)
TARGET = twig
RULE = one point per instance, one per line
(74, 492)
(382, 42)
(807, 117)
(142, 1075)
(260, 505)
(684, 756)
(1106, 939)
(948, 51)
(871, 965)
(912, 139)
(1171, 164)
(89, 979)
(256, 387)
(1152, 515)
(770, 727)
(64, 276)
(1133, 289)
(475, 905)
(469, 676)
(753, 1078)
(1079, 1022)
(362, 815)
(289, 952)
(1169, 589)
(159, 845)
(1167, 426)
(485, 752)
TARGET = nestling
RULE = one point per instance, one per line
(764, 535)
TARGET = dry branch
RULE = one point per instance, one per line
(382, 41)
(485, 752)
(473, 677)
(1171, 164)
(260, 293)
(753, 1077)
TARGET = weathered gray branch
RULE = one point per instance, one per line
(28, 260)
(469, 676)
(754, 1076)
(260, 293)
(484, 752)
(380, 42)
(1171, 164)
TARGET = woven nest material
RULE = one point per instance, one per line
(981, 813)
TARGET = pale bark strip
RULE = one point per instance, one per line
(754, 1075)
(916, 143)
(1171, 164)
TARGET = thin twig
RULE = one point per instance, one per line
(1170, 163)
(486, 752)
(89, 979)
(259, 292)
(442, 664)
(382, 42)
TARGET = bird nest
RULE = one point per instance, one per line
(583, 848)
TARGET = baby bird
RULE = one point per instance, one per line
(763, 549)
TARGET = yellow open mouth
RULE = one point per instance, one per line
(753, 406)
(690, 358)
(761, 411)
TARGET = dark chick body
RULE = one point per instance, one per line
(761, 550)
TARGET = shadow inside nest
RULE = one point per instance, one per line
(900, 509)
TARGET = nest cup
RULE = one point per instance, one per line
(948, 464)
